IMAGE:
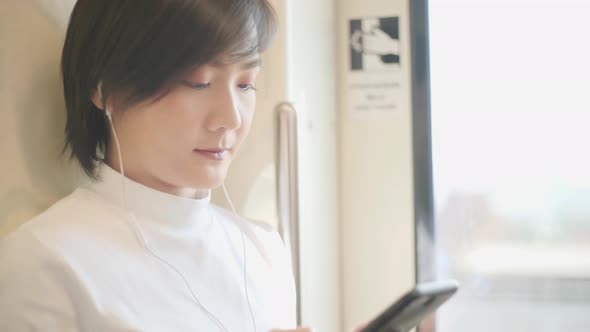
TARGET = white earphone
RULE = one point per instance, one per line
(143, 242)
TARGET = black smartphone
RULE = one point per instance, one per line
(413, 307)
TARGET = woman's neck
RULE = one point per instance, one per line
(157, 184)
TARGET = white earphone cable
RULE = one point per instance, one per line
(244, 256)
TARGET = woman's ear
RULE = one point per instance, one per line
(96, 98)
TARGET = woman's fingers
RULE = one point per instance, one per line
(299, 329)
(360, 327)
(308, 329)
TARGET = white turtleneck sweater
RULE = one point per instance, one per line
(81, 266)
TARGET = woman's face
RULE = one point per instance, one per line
(187, 139)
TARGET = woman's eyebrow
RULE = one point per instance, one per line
(252, 64)
(257, 62)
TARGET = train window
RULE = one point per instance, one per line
(510, 116)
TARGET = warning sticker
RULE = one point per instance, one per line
(375, 64)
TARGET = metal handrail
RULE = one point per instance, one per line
(288, 189)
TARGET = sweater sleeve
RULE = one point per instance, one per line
(33, 287)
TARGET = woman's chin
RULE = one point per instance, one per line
(210, 179)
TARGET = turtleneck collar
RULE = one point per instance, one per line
(169, 210)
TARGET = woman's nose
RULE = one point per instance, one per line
(225, 114)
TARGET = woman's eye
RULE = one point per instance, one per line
(247, 87)
(197, 86)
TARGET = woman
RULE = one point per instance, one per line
(159, 96)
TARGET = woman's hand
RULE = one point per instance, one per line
(360, 327)
(308, 329)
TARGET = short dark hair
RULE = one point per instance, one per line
(138, 49)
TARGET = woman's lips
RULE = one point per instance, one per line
(213, 154)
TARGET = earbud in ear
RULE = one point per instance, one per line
(99, 88)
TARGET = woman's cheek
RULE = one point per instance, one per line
(247, 122)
